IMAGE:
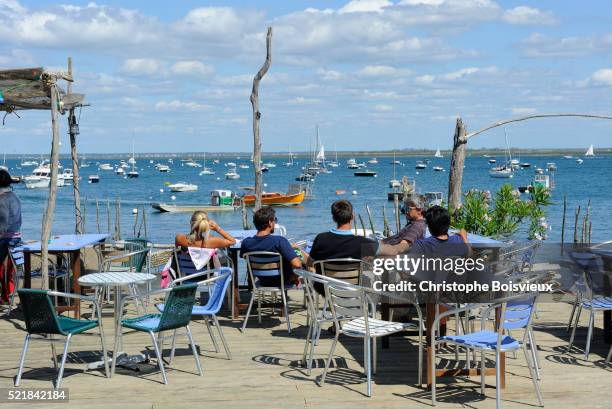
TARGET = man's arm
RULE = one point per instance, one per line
(393, 249)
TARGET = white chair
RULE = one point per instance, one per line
(351, 305)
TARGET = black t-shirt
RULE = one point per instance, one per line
(342, 244)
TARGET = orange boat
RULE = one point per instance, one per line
(276, 199)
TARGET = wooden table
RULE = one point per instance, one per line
(70, 244)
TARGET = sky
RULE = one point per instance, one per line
(372, 74)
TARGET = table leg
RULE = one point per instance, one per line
(235, 310)
(75, 267)
(27, 269)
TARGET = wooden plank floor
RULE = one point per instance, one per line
(265, 370)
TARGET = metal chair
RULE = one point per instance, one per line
(516, 313)
(41, 319)
(351, 305)
(56, 272)
(218, 286)
(349, 270)
(587, 300)
(265, 264)
(177, 314)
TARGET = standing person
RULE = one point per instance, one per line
(414, 229)
(10, 229)
(264, 220)
(199, 234)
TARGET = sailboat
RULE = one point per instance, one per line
(394, 183)
(290, 163)
(334, 163)
(205, 170)
(395, 161)
(438, 154)
(133, 173)
(3, 166)
(504, 171)
(590, 151)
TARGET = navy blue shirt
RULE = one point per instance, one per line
(433, 246)
(277, 244)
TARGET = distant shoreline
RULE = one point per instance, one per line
(330, 154)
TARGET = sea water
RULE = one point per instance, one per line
(578, 182)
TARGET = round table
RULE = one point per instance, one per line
(117, 279)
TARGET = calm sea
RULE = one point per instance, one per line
(580, 183)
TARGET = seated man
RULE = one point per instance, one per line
(264, 220)
(414, 229)
(340, 242)
(440, 244)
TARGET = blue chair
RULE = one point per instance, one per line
(177, 314)
(269, 265)
(516, 314)
(41, 319)
(218, 286)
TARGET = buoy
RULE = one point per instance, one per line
(417, 173)
(173, 197)
(218, 178)
(161, 190)
(265, 185)
(354, 192)
(134, 211)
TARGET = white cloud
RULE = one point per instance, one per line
(329, 75)
(176, 105)
(538, 45)
(523, 111)
(365, 6)
(144, 66)
(382, 71)
(523, 15)
(458, 75)
(191, 68)
(303, 101)
(602, 77)
(383, 108)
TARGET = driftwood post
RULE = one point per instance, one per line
(256, 115)
(455, 176)
(73, 131)
(48, 216)
(396, 210)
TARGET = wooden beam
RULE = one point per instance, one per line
(256, 116)
(72, 126)
(455, 176)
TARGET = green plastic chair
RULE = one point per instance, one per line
(42, 319)
(177, 314)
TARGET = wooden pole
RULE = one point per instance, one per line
(362, 225)
(256, 116)
(396, 210)
(48, 216)
(455, 176)
(108, 216)
(98, 214)
(386, 230)
(370, 219)
(563, 222)
(73, 132)
(243, 211)
(577, 215)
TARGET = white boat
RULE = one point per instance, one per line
(420, 165)
(433, 198)
(438, 154)
(230, 164)
(539, 171)
(243, 166)
(41, 177)
(28, 163)
(232, 174)
(394, 183)
(590, 151)
(579, 161)
(192, 164)
(492, 161)
(123, 164)
(84, 164)
(67, 175)
(438, 168)
(162, 168)
(119, 171)
(514, 163)
(395, 161)
(207, 171)
(373, 161)
(351, 161)
(94, 179)
(551, 166)
(132, 174)
(268, 165)
(334, 163)
(567, 156)
(183, 187)
(501, 172)
(105, 166)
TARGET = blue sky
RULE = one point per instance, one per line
(374, 74)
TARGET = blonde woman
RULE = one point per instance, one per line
(199, 234)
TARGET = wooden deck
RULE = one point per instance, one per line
(265, 371)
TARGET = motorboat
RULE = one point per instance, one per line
(276, 199)
(351, 161)
(243, 166)
(41, 176)
(269, 165)
(394, 183)
(230, 164)
(220, 200)
(514, 163)
(190, 163)
(182, 187)
(105, 166)
(579, 161)
(67, 175)
(264, 168)
(162, 168)
(525, 165)
(365, 173)
(119, 171)
(421, 165)
(94, 179)
(539, 171)
(551, 167)
(433, 199)
(501, 172)
(305, 177)
(132, 174)
(438, 169)
(567, 156)
(492, 160)
(232, 174)
(353, 166)
(373, 161)
(27, 163)
(207, 171)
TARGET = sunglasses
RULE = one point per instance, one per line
(405, 210)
